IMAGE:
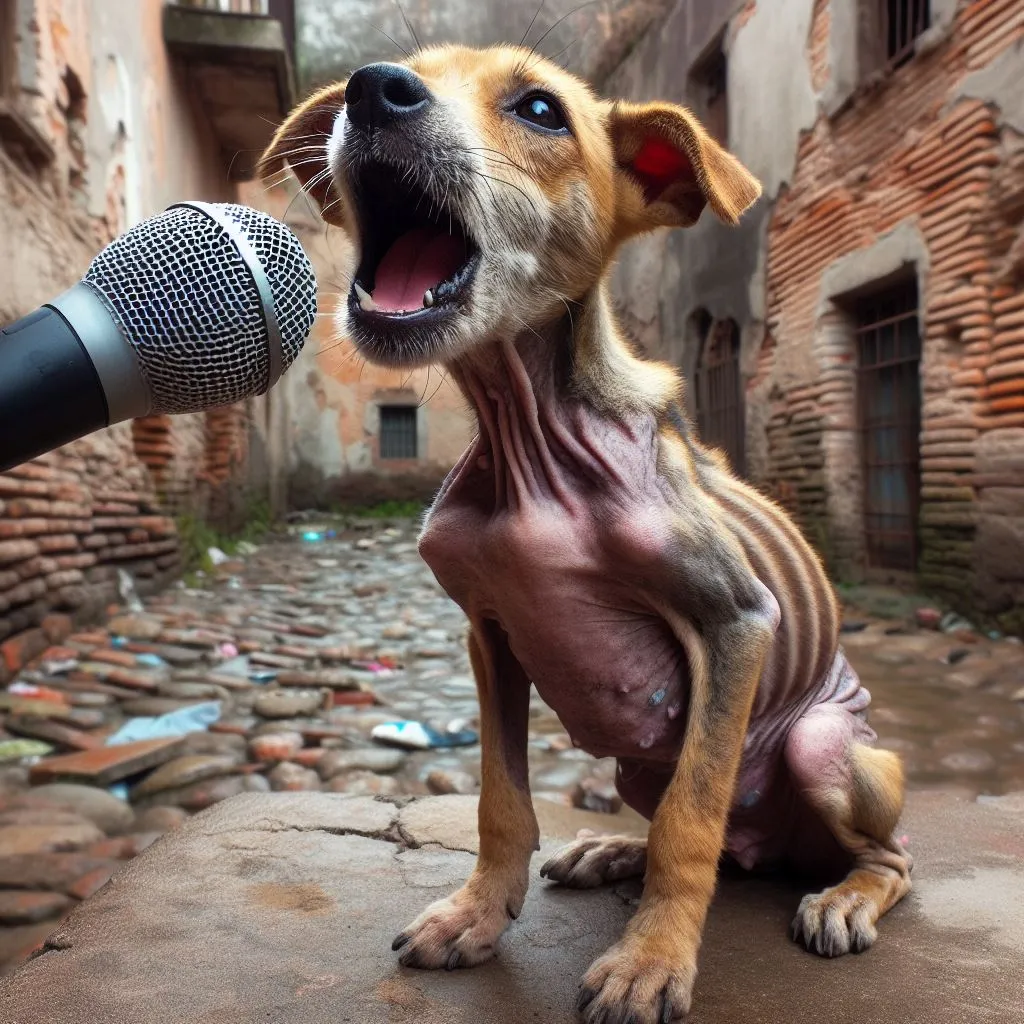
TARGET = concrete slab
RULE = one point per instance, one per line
(281, 908)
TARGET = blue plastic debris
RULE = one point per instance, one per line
(194, 718)
(417, 736)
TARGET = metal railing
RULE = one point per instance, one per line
(281, 10)
(889, 424)
(902, 21)
(718, 389)
(260, 7)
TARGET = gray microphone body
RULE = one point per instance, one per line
(204, 305)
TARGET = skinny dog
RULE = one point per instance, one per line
(673, 617)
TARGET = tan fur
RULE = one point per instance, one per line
(575, 200)
(720, 179)
(843, 917)
(299, 144)
(877, 791)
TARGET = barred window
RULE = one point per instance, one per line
(398, 432)
(889, 30)
(889, 423)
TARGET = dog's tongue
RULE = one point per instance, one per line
(416, 261)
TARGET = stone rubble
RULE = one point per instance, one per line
(308, 647)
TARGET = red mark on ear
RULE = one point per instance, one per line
(660, 160)
(659, 165)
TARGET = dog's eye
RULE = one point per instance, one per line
(542, 112)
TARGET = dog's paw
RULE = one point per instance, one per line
(593, 860)
(460, 931)
(835, 922)
(635, 982)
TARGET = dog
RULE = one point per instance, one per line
(672, 616)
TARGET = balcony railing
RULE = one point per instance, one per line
(240, 55)
(229, 6)
(281, 10)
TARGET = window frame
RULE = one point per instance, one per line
(411, 412)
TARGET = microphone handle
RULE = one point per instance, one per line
(50, 392)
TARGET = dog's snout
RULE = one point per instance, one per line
(382, 94)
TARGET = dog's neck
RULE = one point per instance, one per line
(581, 356)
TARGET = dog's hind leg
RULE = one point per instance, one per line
(592, 860)
(857, 791)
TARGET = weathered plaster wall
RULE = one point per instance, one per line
(113, 136)
(661, 280)
(1000, 83)
(771, 96)
(147, 102)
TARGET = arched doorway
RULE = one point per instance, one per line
(718, 390)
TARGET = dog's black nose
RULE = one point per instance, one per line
(382, 94)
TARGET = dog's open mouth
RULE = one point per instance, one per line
(418, 258)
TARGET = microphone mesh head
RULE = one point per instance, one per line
(185, 299)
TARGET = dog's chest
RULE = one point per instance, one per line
(564, 587)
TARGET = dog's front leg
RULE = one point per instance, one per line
(464, 929)
(725, 621)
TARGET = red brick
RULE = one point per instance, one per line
(22, 508)
(37, 469)
(19, 650)
(352, 698)
(308, 757)
(10, 487)
(229, 728)
(106, 765)
(121, 658)
(115, 848)
(91, 883)
(16, 550)
(88, 639)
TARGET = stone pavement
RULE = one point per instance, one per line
(306, 645)
(280, 909)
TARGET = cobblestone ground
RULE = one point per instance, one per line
(312, 641)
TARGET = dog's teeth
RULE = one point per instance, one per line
(365, 299)
(428, 298)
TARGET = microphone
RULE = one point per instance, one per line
(203, 305)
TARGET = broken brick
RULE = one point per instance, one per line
(106, 765)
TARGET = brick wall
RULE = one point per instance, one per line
(98, 131)
(911, 152)
(68, 522)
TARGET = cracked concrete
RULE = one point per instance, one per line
(280, 909)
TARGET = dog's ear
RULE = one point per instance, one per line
(669, 168)
(301, 144)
